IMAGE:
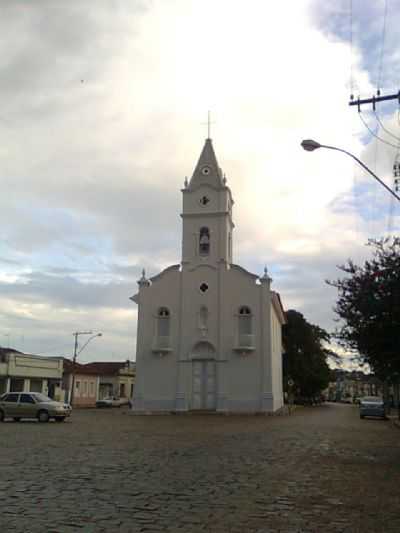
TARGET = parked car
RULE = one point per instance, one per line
(111, 401)
(372, 406)
(19, 405)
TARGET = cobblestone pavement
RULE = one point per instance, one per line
(321, 469)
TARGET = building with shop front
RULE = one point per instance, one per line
(209, 331)
(27, 372)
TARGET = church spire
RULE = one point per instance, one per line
(207, 171)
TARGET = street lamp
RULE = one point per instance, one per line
(309, 145)
(76, 353)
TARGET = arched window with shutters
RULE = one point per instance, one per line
(163, 322)
(204, 241)
(245, 327)
(162, 338)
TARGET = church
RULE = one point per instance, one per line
(208, 331)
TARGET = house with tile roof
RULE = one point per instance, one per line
(98, 380)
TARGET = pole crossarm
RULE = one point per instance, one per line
(374, 100)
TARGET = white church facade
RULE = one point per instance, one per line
(209, 331)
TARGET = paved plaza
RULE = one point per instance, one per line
(322, 469)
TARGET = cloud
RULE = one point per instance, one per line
(105, 117)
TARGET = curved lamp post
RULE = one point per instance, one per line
(76, 353)
(310, 146)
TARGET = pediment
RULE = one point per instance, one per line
(202, 265)
(244, 271)
(166, 271)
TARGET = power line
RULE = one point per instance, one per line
(384, 129)
(351, 49)
(395, 182)
(374, 134)
(378, 85)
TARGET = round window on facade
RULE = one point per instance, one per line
(203, 287)
(204, 200)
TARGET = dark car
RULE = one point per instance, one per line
(372, 406)
(19, 405)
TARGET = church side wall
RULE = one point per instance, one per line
(276, 360)
(156, 371)
(244, 368)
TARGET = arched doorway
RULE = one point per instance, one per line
(204, 386)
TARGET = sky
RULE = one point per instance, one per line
(103, 114)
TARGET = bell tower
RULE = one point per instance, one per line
(207, 214)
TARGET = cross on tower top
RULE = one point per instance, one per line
(208, 124)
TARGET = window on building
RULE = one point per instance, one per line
(203, 287)
(36, 385)
(91, 388)
(204, 241)
(77, 385)
(203, 318)
(84, 388)
(122, 390)
(163, 326)
(17, 384)
(245, 321)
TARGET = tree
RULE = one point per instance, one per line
(369, 307)
(305, 358)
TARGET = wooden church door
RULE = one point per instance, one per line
(204, 385)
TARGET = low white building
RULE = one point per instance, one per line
(209, 331)
(26, 372)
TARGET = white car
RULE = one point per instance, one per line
(112, 401)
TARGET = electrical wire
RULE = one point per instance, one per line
(374, 190)
(391, 205)
(385, 129)
(380, 69)
(374, 134)
(351, 47)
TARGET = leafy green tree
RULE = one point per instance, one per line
(305, 358)
(368, 308)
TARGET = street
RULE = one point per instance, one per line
(322, 469)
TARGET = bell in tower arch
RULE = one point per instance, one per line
(204, 241)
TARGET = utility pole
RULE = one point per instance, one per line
(71, 399)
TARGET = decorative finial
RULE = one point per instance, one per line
(266, 275)
(186, 182)
(224, 179)
(143, 280)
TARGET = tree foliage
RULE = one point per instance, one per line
(305, 359)
(368, 308)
